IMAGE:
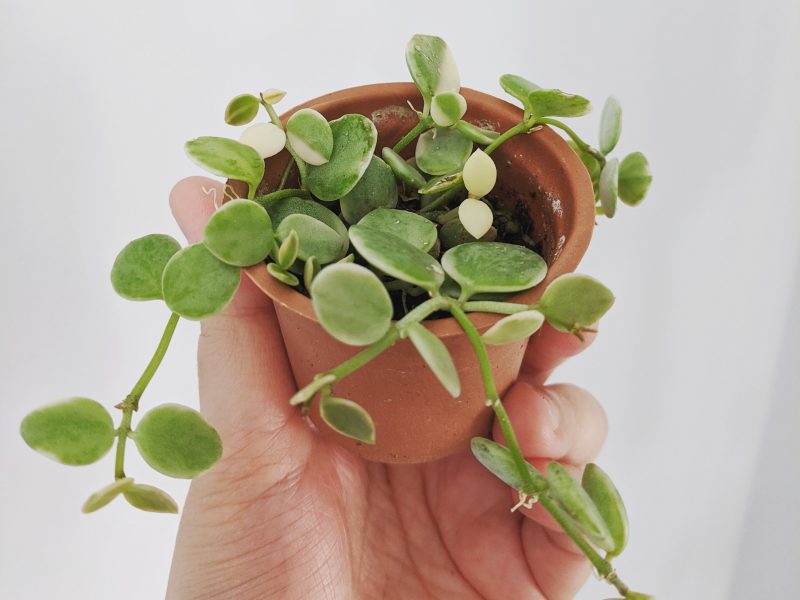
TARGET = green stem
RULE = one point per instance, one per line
(443, 198)
(131, 402)
(424, 123)
(523, 127)
(280, 195)
(574, 137)
(493, 398)
(286, 172)
(490, 306)
(301, 165)
(367, 354)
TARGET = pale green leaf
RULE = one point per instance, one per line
(348, 418)
(227, 158)
(411, 227)
(310, 136)
(481, 136)
(610, 125)
(137, 270)
(574, 302)
(105, 495)
(608, 187)
(436, 356)
(514, 328)
(150, 499)
(447, 108)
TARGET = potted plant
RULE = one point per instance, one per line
(412, 238)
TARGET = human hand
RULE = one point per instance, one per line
(285, 514)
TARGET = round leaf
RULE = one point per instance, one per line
(411, 227)
(634, 178)
(239, 233)
(280, 209)
(347, 418)
(227, 158)
(311, 136)
(197, 284)
(609, 181)
(137, 270)
(480, 174)
(241, 110)
(316, 238)
(578, 505)
(176, 441)
(447, 108)
(493, 267)
(432, 66)
(352, 304)
(105, 495)
(574, 302)
(267, 139)
(354, 139)
(610, 125)
(407, 174)
(498, 460)
(609, 504)
(150, 499)
(514, 327)
(397, 257)
(481, 136)
(77, 431)
(377, 188)
(555, 103)
(440, 151)
(436, 356)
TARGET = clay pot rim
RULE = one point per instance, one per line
(577, 237)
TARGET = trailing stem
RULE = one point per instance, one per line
(424, 123)
(131, 402)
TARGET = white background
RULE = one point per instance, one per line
(697, 365)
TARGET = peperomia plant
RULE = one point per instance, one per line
(380, 244)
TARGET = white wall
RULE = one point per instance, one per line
(697, 364)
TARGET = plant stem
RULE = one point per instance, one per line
(523, 127)
(493, 398)
(490, 306)
(286, 172)
(424, 123)
(575, 138)
(301, 165)
(367, 354)
(281, 194)
(443, 198)
(131, 402)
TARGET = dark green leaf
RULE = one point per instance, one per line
(609, 182)
(377, 188)
(440, 151)
(280, 209)
(137, 271)
(175, 440)
(634, 178)
(77, 431)
(407, 174)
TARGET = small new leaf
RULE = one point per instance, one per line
(447, 108)
(241, 110)
(347, 418)
(150, 499)
(608, 187)
(407, 174)
(282, 275)
(105, 495)
(288, 250)
(78, 431)
(610, 125)
(514, 328)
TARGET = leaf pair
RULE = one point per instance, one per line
(144, 497)
(539, 102)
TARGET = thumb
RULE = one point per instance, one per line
(244, 374)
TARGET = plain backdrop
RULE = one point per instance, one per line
(697, 364)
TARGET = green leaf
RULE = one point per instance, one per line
(150, 499)
(481, 136)
(432, 66)
(77, 431)
(175, 440)
(610, 125)
(499, 461)
(514, 327)
(282, 275)
(377, 188)
(289, 250)
(354, 139)
(439, 185)
(311, 136)
(453, 234)
(316, 238)
(520, 88)
(588, 159)
(197, 284)
(411, 227)
(555, 103)
(347, 418)
(607, 499)
(634, 178)
(397, 257)
(227, 158)
(609, 184)
(105, 495)
(137, 270)
(239, 233)
(436, 356)
(440, 151)
(352, 304)
(241, 110)
(493, 267)
(280, 209)
(407, 174)
(573, 302)
(310, 271)
(447, 108)
(578, 505)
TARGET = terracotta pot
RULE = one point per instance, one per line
(415, 418)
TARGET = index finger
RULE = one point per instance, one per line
(549, 348)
